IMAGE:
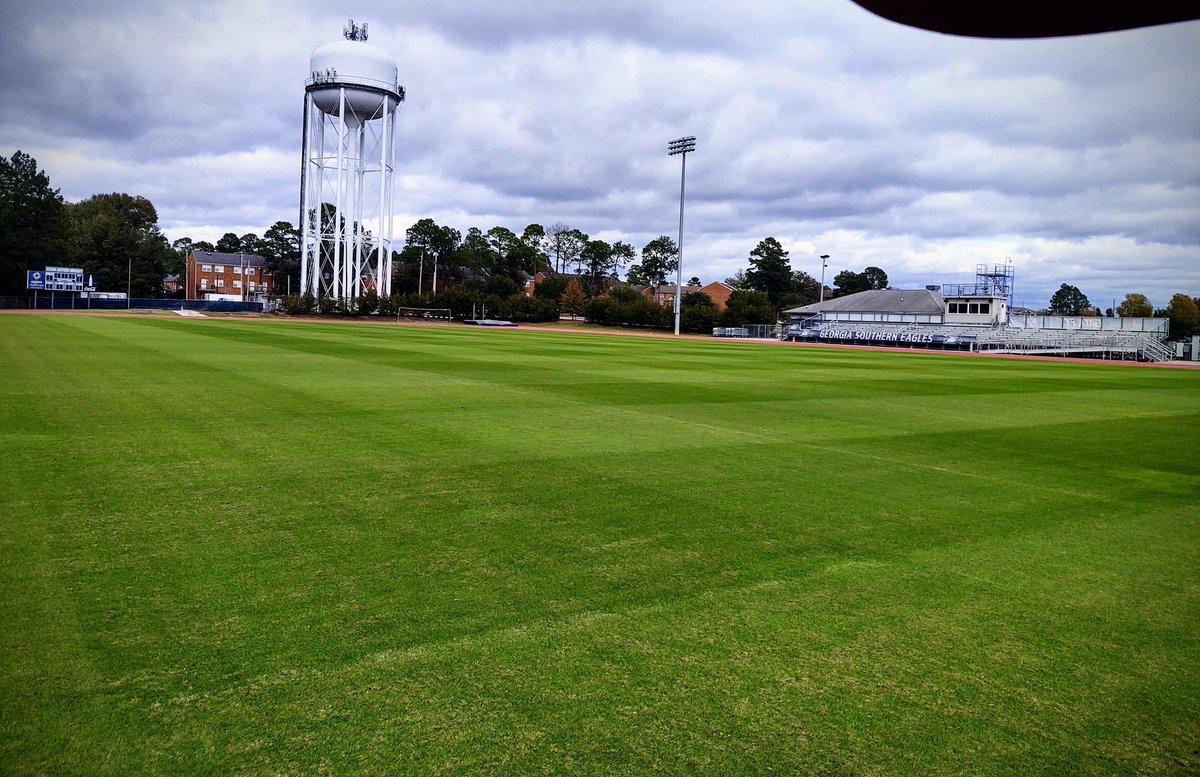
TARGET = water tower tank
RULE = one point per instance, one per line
(367, 72)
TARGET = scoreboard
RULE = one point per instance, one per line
(56, 279)
(64, 279)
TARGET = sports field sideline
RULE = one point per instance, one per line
(244, 545)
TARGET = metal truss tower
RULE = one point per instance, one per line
(995, 280)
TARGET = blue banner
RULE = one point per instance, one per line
(873, 336)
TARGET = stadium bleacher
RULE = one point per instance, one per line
(1003, 338)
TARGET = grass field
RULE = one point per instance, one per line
(265, 547)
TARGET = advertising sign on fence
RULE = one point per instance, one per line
(35, 280)
(868, 335)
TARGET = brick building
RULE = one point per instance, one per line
(718, 292)
(232, 276)
(664, 295)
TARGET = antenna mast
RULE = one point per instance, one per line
(354, 31)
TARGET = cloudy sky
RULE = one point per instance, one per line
(833, 130)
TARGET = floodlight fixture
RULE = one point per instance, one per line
(680, 146)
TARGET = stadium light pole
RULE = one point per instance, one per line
(824, 264)
(681, 146)
(128, 282)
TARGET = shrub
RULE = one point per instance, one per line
(521, 308)
(497, 285)
(748, 307)
(461, 300)
(552, 287)
(299, 304)
(366, 303)
(388, 305)
(699, 318)
(625, 294)
(331, 306)
(625, 306)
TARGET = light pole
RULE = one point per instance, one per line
(128, 282)
(824, 264)
(681, 146)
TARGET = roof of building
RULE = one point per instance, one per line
(216, 257)
(609, 281)
(669, 288)
(879, 301)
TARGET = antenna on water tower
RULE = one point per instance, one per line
(350, 102)
(354, 32)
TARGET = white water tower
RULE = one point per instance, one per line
(350, 103)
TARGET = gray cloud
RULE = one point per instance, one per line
(822, 125)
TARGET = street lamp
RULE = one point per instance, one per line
(824, 264)
(681, 146)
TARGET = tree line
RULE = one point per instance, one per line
(116, 236)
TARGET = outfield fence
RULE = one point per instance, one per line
(67, 301)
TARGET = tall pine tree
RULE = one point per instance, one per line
(34, 229)
(770, 271)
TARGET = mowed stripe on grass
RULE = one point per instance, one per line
(293, 547)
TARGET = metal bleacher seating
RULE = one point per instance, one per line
(1096, 343)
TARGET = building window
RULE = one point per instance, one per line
(237, 270)
(249, 270)
(220, 283)
(985, 307)
(237, 284)
(219, 268)
(204, 283)
(206, 268)
(974, 307)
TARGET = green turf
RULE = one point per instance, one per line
(251, 546)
